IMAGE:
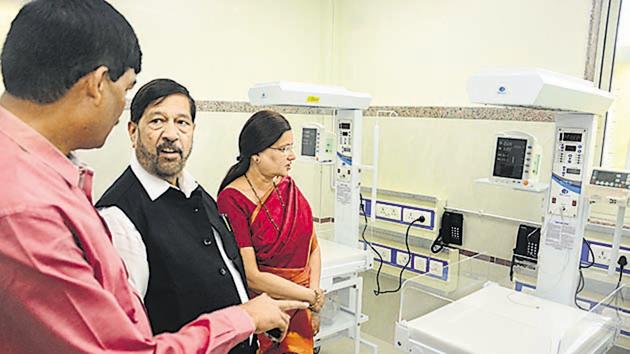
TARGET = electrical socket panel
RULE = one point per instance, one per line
(420, 264)
(528, 290)
(602, 254)
(402, 258)
(409, 215)
(436, 268)
(625, 321)
(365, 206)
(583, 304)
(386, 253)
(387, 211)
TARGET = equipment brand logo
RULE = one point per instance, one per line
(502, 90)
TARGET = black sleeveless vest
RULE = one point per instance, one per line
(187, 274)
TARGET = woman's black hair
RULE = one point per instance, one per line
(260, 131)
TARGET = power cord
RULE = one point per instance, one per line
(380, 258)
(378, 291)
(402, 270)
(623, 262)
(581, 282)
(437, 246)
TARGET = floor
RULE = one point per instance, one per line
(345, 345)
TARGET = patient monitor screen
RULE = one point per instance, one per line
(309, 141)
(509, 158)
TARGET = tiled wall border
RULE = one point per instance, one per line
(477, 113)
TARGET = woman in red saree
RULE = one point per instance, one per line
(273, 226)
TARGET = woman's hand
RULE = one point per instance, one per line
(315, 322)
(318, 300)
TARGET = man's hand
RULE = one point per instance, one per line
(267, 313)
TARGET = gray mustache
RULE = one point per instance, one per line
(170, 147)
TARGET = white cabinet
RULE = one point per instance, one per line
(340, 279)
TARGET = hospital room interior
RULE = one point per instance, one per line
(467, 163)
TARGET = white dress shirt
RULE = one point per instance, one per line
(127, 239)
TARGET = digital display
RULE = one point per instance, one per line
(577, 137)
(509, 159)
(573, 171)
(344, 125)
(609, 177)
(570, 148)
(309, 141)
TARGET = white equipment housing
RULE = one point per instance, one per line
(537, 88)
(307, 95)
(340, 267)
(609, 184)
(495, 319)
(348, 116)
(563, 229)
(445, 330)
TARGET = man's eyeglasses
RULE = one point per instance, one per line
(285, 149)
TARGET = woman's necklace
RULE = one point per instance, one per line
(264, 205)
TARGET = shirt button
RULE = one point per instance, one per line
(222, 271)
(207, 242)
(195, 210)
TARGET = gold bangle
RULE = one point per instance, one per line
(316, 298)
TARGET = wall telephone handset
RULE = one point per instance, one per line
(527, 243)
(451, 229)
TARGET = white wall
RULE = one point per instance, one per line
(420, 52)
(218, 49)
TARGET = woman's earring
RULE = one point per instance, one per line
(257, 160)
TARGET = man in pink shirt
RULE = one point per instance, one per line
(67, 65)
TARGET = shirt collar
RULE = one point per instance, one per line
(38, 146)
(155, 186)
